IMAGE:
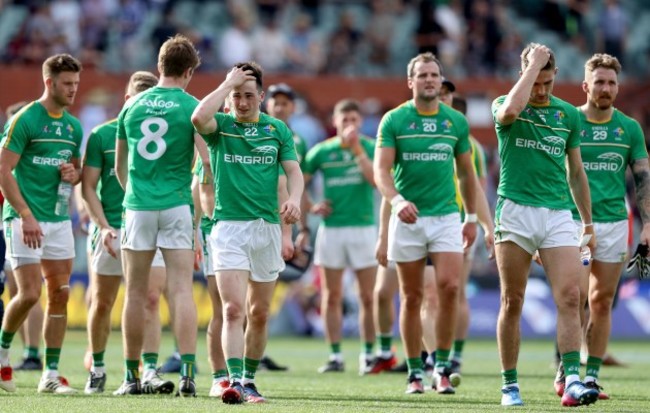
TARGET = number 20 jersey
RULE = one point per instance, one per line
(160, 136)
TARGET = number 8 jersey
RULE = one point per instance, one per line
(160, 137)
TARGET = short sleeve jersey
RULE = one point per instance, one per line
(349, 193)
(425, 149)
(607, 149)
(206, 221)
(533, 153)
(245, 158)
(160, 136)
(301, 151)
(43, 141)
(100, 154)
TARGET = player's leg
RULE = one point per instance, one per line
(366, 278)
(562, 266)
(152, 381)
(57, 282)
(448, 269)
(513, 263)
(428, 314)
(462, 320)
(386, 286)
(213, 337)
(28, 282)
(332, 314)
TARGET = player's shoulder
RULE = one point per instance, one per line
(108, 127)
(272, 124)
(404, 108)
(27, 113)
(625, 120)
(563, 105)
(498, 101)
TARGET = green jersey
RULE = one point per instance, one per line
(533, 153)
(425, 149)
(44, 141)
(245, 158)
(607, 149)
(349, 193)
(160, 136)
(301, 151)
(100, 153)
(206, 221)
(478, 159)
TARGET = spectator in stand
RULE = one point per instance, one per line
(305, 52)
(236, 43)
(270, 45)
(343, 45)
(613, 23)
(429, 32)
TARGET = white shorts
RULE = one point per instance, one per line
(57, 243)
(253, 246)
(346, 247)
(611, 238)
(208, 270)
(171, 228)
(411, 242)
(534, 228)
(102, 263)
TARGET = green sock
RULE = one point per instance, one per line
(220, 374)
(31, 353)
(571, 363)
(250, 367)
(593, 366)
(509, 377)
(188, 361)
(367, 347)
(335, 348)
(458, 350)
(442, 358)
(52, 356)
(98, 359)
(150, 361)
(385, 342)
(415, 366)
(6, 338)
(235, 367)
(131, 370)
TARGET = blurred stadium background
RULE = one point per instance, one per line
(333, 49)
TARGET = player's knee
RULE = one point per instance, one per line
(258, 314)
(569, 297)
(58, 297)
(153, 300)
(412, 299)
(30, 296)
(600, 304)
(333, 297)
(233, 312)
(102, 304)
(366, 299)
(512, 302)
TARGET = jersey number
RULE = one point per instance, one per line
(250, 131)
(600, 135)
(153, 136)
(429, 127)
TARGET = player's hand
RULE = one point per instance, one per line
(238, 76)
(109, 235)
(593, 243)
(644, 237)
(469, 234)
(381, 252)
(538, 56)
(290, 212)
(322, 208)
(350, 137)
(489, 243)
(198, 252)
(537, 258)
(302, 240)
(68, 173)
(32, 232)
(287, 247)
(407, 212)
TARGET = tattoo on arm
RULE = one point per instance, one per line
(641, 173)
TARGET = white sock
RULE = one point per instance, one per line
(590, 379)
(4, 356)
(245, 381)
(570, 379)
(336, 357)
(99, 371)
(148, 374)
(50, 374)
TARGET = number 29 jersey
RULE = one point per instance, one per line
(160, 136)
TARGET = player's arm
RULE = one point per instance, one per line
(579, 186)
(283, 196)
(383, 165)
(485, 218)
(304, 235)
(641, 174)
(121, 162)
(381, 249)
(202, 149)
(290, 209)
(519, 95)
(203, 116)
(365, 164)
(468, 185)
(32, 234)
(198, 212)
(89, 180)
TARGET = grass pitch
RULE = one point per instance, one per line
(302, 389)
